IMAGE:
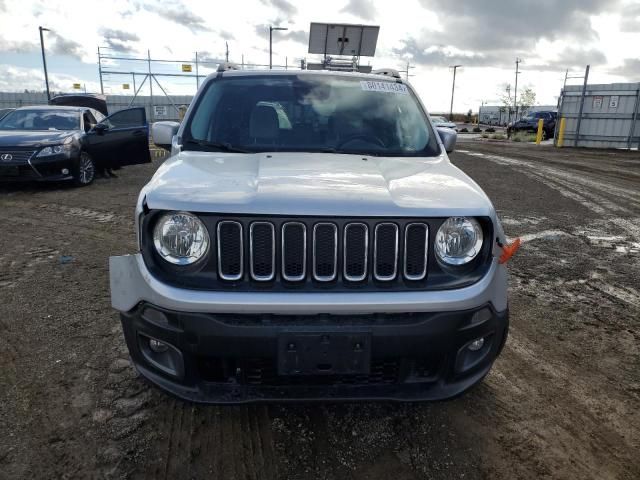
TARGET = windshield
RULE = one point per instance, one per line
(41, 120)
(307, 113)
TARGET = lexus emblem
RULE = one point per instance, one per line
(6, 157)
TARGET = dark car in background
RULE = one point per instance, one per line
(70, 143)
(530, 124)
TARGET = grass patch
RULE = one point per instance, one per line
(498, 136)
(490, 130)
(485, 135)
(523, 137)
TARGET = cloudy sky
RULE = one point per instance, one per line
(484, 36)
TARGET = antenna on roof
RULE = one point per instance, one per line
(342, 39)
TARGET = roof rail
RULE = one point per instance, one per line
(223, 67)
(389, 72)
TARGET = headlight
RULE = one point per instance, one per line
(54, 150)
(458, 241)
(181, 238)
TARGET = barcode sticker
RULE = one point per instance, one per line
(385, 87)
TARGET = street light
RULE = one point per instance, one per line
(453, 87)
(271, 29)
(44, 60)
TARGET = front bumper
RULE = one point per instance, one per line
(222, 358)
(227, 347)
(40, 169)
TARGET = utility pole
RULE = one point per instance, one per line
(453, 88)
(227, 53)
(44, 60)
(197, 74)
(515, 91)
(100, 73)
(407, 71)
(271, 29)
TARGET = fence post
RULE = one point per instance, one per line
(584, 90)
(150, 87)
(632, 130)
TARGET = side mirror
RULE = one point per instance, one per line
(100, 128)
(162, 133)
(449, 137)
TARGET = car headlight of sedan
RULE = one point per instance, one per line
(458, 241)
(181, 238)
(54, 150)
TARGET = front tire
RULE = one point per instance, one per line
(85, 172)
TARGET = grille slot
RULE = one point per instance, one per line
(385, 252)
(230, 250)
(325, 251)
(262, 251)
(356, 251)
(416, 247)
(294, 251)
(17, 156)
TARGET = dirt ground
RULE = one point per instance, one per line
(562, 401)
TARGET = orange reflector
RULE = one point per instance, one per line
(509, 251)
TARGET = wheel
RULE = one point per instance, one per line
(86, 170)
(544, 135)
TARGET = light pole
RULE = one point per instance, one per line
(453, 87)
(515, 91)
(44, 60)
(271, 29)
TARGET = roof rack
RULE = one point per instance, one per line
(223, 67)
(389, 72)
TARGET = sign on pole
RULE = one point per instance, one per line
(186, 67)
(159, 110)
(125, 86)
(77, 86)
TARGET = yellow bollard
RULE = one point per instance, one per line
(561, 132)
(540, 129)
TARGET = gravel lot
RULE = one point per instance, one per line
(562, 401)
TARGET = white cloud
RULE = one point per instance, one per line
(137, 25)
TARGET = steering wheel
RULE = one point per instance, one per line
(366, 137)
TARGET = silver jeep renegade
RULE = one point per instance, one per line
(310, 239)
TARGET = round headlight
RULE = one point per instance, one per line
(181, 238)
(458, 241)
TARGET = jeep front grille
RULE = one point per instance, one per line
(321, 251)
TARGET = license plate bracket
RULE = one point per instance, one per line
(324, 353)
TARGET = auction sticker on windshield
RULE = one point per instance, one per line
(385, 87)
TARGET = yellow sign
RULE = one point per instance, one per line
(77, 86)
(125, 86)
(186, 67)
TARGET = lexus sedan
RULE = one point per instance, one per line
(70, 143)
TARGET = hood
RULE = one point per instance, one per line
(314, 184)
(33, 138)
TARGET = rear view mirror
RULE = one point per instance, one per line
(448, 137)
(162, 133)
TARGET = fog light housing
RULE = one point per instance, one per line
(157, 346)
(65, 171)
(476, 345)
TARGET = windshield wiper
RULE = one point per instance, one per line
(221, 146)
